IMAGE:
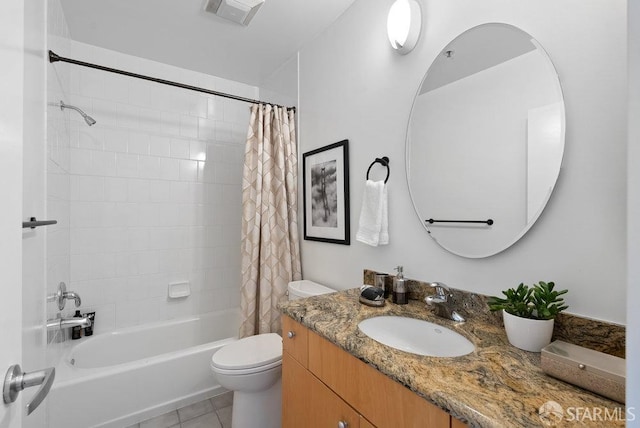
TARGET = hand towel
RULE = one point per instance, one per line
(373, 214)
(384, 224)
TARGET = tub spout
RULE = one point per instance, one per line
(60, 323)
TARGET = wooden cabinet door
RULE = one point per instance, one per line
(327, 410)
(296, 381)
(365, 423)
(457, 423)
(294, 339)
(366, 389)
(308, 403)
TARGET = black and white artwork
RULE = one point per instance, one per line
(326, 194)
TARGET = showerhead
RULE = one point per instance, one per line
(88, 119)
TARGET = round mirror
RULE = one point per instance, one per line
(485, 140)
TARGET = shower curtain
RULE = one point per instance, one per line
(270, 241)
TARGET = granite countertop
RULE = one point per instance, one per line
(497, 385)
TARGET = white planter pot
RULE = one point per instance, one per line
(528, 334)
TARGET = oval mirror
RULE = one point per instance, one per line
(485, 140)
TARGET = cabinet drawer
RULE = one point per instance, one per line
(294, 340)
(362, 386)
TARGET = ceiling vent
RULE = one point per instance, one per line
(239, 11)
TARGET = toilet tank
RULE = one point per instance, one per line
(305, 288)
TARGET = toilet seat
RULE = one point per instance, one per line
(249, 355)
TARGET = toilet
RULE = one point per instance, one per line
(251, 367)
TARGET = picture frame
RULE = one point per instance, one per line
(325, 183)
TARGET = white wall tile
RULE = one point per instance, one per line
(139, 143)
(104, 112)
(103, 163)
(197, 150)
(80, 161)
(138, 190)
(86, 188)
(126, 165)
(188, 126)
(215, 108)
(159, 146)
(115, 189)
(206, 129)
(179, 148)
(139, 93)
(150, 194)
(128, 116)
(169, 169)
(116, 140)
(188, 170)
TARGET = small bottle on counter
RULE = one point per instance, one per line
(400, 294)
(381, 282)
(88, 331)
(76, 332)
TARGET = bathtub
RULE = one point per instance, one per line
(120, 378)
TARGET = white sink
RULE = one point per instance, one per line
(416, 336)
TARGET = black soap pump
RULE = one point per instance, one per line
(76, 332)
(400, 292)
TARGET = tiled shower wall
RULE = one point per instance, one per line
(58, 155)
(154, 189)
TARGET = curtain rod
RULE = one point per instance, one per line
(53, 57)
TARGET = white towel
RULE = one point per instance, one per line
(384, 226)
(373, 228)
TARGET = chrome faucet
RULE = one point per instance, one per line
(60, 323)
(442, 303)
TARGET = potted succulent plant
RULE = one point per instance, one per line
(529, 313)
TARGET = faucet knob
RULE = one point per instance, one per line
(441, 288)
(62, 295)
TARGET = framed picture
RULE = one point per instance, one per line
(326, 193)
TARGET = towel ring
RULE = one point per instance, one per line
(385, 162)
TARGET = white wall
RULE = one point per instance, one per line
(34, 203)
(12, 14)
(633, 287)
(154, 189)
(282, 86)
(352, 85)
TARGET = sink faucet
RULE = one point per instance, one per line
(59, 323)
(441, 302)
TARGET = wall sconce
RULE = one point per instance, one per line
(403, 25)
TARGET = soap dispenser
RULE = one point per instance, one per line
(400, 292)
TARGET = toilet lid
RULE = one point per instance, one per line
(254, 351)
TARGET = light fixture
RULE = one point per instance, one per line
(238, 11)
(403, 25)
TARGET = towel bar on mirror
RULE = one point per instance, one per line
(383, 161)
(488, 222)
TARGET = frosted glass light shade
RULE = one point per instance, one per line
(403, 25)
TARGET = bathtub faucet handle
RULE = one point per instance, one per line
(62, 295)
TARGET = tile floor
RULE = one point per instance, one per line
(211, 413)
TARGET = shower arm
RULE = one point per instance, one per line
(88, 119)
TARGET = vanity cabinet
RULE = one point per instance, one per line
(322, 385)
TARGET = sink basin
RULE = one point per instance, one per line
(416, 336)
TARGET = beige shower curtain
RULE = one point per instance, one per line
(270, 242)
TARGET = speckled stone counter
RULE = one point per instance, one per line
(497, 385)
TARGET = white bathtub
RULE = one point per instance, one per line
(119, 378)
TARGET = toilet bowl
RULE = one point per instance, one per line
(252, 368)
